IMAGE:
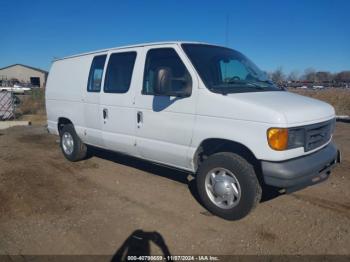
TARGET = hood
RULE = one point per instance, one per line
(295, 109)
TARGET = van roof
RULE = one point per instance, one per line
(130, 46)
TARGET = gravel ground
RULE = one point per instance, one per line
(51, 206)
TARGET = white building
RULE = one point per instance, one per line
(23, 74)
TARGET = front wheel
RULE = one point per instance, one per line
(71, 145)
(227, 186)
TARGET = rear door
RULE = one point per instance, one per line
(165, 123)
(91, 99)
(117, 102)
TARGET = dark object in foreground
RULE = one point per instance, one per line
(138, 244)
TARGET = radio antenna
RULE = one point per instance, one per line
(227, 29)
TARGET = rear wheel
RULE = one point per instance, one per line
(71, 145)
(227, 186)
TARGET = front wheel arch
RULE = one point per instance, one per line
(212, 146)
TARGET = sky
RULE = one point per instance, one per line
(294, 35)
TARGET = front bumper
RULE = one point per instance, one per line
(302, 171)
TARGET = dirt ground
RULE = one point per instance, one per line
(51, 206)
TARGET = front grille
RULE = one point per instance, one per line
(318, 134)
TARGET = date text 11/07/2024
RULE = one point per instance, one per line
(173, 258)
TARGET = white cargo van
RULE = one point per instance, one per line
(197, 107)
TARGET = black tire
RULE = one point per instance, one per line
(245, 175)
(79, 148)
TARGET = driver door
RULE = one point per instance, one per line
(165, 123)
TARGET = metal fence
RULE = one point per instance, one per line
(7, 105)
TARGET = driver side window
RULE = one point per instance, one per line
(168, 59)
(232, 70)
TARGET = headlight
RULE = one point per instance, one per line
(285, 138)
(296, 137)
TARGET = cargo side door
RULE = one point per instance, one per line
(91, 99)
(117, 102)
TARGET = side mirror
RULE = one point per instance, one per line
(164, 83)
(163, 78)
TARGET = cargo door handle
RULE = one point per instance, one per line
(105, 113)
(139, 119)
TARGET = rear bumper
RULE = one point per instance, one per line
(302, 171)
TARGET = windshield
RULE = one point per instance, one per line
(225, 70)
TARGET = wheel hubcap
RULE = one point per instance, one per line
(67, 143)
(223, 188)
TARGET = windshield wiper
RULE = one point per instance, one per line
(265, 81)
(246, 83)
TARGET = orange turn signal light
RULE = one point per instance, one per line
(277, 138)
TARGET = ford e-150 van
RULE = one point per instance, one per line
(198, 107)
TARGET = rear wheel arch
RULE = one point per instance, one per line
(61, 122)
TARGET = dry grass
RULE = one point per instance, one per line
(33, 104)
(338, 98)
(32, 107)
